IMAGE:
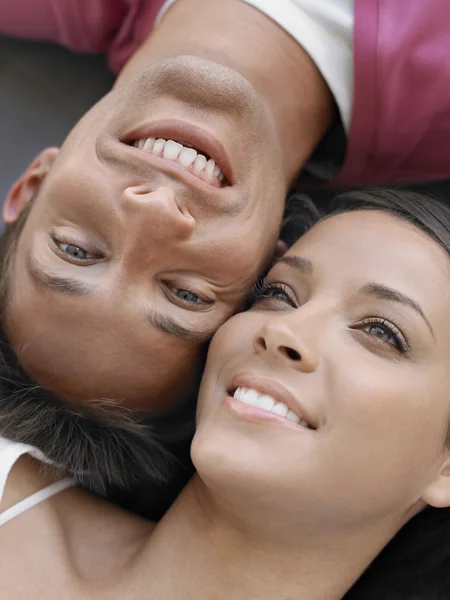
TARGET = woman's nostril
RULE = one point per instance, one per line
(290, 353)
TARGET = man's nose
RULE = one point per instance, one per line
(281, 343)
(156, 213)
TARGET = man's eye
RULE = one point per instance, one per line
(189, 297)
(75, 251)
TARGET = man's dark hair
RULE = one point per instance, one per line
(98, 443)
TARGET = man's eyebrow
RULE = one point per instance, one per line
(386, 293)
(168, 325)
(297, 262)
(63, 285)
(76, 287)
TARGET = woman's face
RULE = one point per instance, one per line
(350, 332)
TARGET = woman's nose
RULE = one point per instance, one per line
(280, 343)
(157, 213)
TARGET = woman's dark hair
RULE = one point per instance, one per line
(426, 212)
(416, 563)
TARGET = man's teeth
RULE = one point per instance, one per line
(267, 403)
(200, 164)
(185, 155)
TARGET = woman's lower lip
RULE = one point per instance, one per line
(258, 415)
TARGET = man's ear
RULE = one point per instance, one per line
(28, 185)
(437, 493)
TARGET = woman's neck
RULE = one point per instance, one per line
(196, 551)
(234, 34)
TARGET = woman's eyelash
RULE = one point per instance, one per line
(262, 288)
(258, 289)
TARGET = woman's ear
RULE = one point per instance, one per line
(437, 493)
(28, 185)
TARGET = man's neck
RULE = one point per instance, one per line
(198, 552)
(232, 33)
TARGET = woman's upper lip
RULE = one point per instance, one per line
(204, 141)
(272, 388)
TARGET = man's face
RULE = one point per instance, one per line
(133, 254)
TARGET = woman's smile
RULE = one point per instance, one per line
(345, 344)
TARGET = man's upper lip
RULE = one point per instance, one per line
(203, 141)
(263, 385)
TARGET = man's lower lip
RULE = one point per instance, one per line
(258, 415)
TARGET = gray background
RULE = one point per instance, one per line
(44, 90)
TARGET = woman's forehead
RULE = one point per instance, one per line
(364, 246)
(369, 236)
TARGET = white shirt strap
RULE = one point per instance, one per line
(35, 499)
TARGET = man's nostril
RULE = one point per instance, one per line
(185, 212)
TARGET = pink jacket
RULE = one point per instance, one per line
(116, 27)
(400, 128)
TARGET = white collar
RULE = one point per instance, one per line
(10, 452)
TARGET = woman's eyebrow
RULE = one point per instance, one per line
(384, 292)
(297, 262)
(373, 289)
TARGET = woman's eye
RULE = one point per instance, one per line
(381, 333)
(385, 332)
(276, 294)
(272, 292)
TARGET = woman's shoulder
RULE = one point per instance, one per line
(75, 537)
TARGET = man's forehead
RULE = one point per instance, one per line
(79, 355)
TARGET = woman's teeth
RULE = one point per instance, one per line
(267, 403)
(185, 155)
